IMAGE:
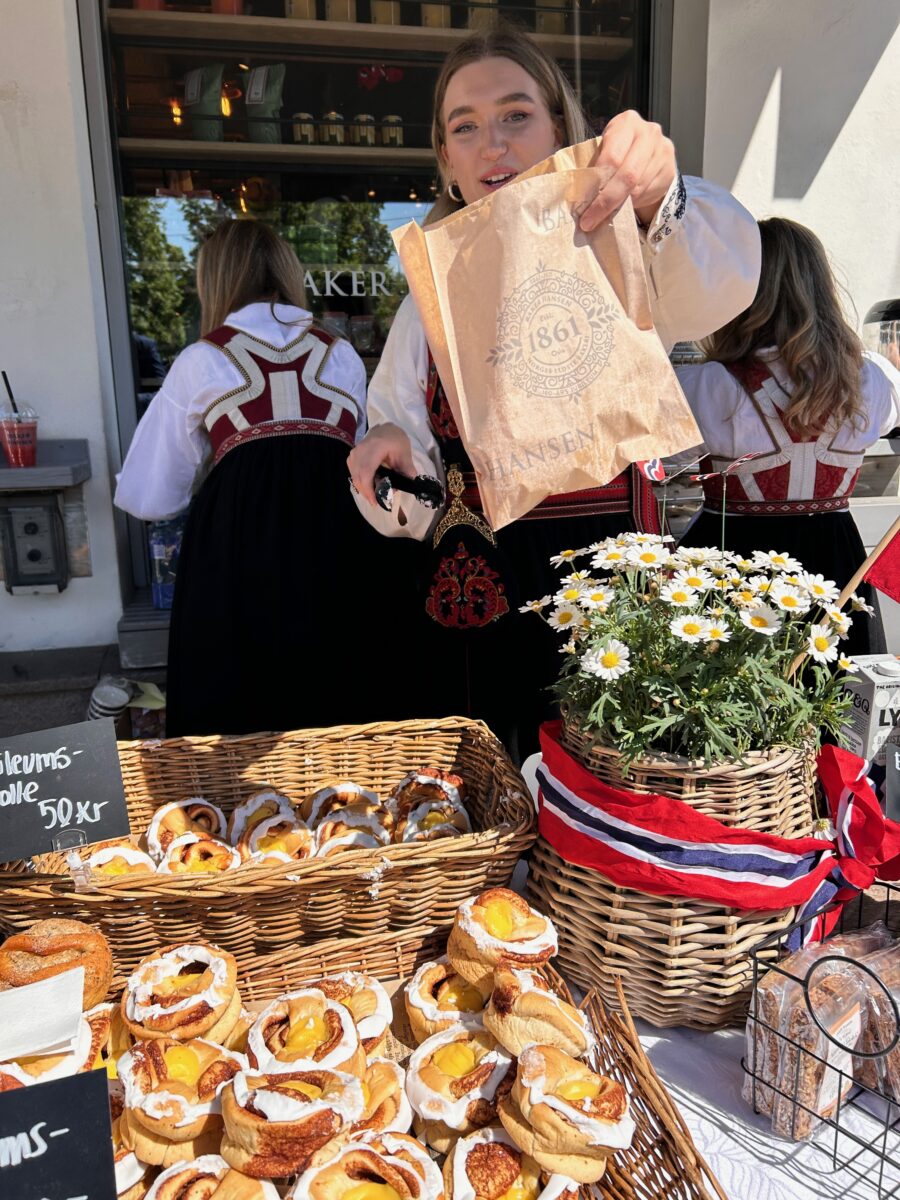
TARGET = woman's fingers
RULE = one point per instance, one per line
(635, 160)
(386, 445)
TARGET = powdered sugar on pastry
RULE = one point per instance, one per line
(142, 984)
(419, 777)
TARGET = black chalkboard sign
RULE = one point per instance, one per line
(59, 784)
(56, 1142)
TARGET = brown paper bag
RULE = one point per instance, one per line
(543, 338)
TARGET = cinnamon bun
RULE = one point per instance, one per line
(53, 946)
(428, 785)
(454, 1082)
(495, 925)
(387, 1109)
(564, 1115)
(374, 819)
(278, 1124)
(184, 991)
(198, 854)
(369, 1005)
(183, 816)
(386, 1168)
(209, 1178)
(436, 998)
(123, 859)
(523, 1010)
(305, 1030)
(255, 809)
(488, 1165)
(109, 1038)
(131, 1174)
(317, 806)
(281, 837)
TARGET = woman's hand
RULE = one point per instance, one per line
(385, 445)
(636, 159)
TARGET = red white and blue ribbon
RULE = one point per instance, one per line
(665, 847)
(653, 468)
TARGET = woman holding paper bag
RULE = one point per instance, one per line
(501, 107)
(788, 382)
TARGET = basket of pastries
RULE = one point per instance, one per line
(267, 841)
(396, 1066)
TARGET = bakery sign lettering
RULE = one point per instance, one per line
(60, 788)
(56, 1141)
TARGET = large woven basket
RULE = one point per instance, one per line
(679, 962)
(261, 909)
(662, 1161)
(772, 791)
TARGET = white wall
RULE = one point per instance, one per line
(53, 336)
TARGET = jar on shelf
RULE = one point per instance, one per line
(304, 128)
(392, 131)
(362, 130)
(332, 129)
(340, 10)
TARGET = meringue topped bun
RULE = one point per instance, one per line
(454, 1081)
(374, 819)
(110, 1038)
(112, 861)
(369, 1005)
(495, 925)
(488, 1165)
(184, 991)
(523, 1010)
(430, 820)
(386, 1168)
(255, 809)
(436, 998)
(428, 785)
(198, 854)
(564, 1115)
(384, 1092)
(183, 816)
(317, 806)
(209, 1178)
(305, 1030)
(284, 838)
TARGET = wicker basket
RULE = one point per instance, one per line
(259, 909)
(662, 1160)
(679, 962)
(772, 791)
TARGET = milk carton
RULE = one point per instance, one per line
(875, 712)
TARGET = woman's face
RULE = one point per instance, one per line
(496, 125)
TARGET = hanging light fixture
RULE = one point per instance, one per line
(175, 106)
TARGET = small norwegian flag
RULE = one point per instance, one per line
(883, 566)
(653, 468)
(731, 468)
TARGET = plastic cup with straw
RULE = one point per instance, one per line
(18, 431)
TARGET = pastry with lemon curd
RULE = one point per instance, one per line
(237, 1038)
(369, 1005)
(428, 785)
(254, 809)
(184, 991)
(209, 1177)
(454, 1082)
(498, 924)
(131, 1174)
(353, 839)
(488, 1165)
(110, 862)
(430, 820)
(53, 946)
(384, 1168)
(564, 1115)
(305, 1030)
(279, 1124)
(524, 1010)
(436, 998)
(110, 1040)
(320, 804)
(183, 816)
(198, 854)
(387, 1109)
(374, 819)
(280, 837)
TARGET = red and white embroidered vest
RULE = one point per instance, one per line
(796, 475)
(283, 392)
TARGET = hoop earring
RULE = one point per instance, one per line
(456, 196)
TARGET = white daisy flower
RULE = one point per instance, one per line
(822, 644)
(643, 539)
(535, 605)
(859, 605)
(717, 630)
(678, 594)
(845, 663)
(744, 597)
(647, 556)
(571, 647)
(564, 556)
(596, 597)
(609, 661)
(566, 616)
(761, 584)
(742, 564)
(690, 628)
(772, 560)
(698, 555)
(570, 594)
(762, 618)
(839, 620)
(788, 599)
(610, 559)
(695, 578)
(577, 577)
(824, 590)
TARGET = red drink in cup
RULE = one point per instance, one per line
(18, 437)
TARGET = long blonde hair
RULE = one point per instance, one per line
(518, 47)
(798, 309)
(241, 262)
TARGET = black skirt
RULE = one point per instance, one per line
(824, 543)
(283, 614)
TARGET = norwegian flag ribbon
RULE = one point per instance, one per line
(620, 835)
(653, 468)
(731, 468)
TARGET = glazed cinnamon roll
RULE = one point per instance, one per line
(131, 1173)
(184, 991)
(428, 785)
(109, 1038)
(497, 925)
(564, 1115)
(390, 1168)
(436, 998)
(374, 819)
(278, 1124)
(123, 859)
(305, 1030)
(284, 838)
(454, 1082)
(183, 816)
(53, 946)
(369, 1005)
(523, 1011)
(387, 1110)
(255, 809)
(198, 854)
(353, 839)
(209, 1178)
(318, 806)
(488, 1165)
(430, 820)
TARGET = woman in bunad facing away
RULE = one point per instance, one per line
(788, 382)
(502, 106)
